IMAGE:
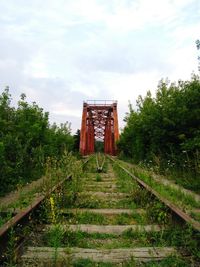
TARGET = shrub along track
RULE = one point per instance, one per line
(106, 219)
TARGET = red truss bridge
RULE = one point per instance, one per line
(100, 122)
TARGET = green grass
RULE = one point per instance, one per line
(156, 213)
(98, 177)
(90, 167)
(129, 239)
(173, 194)
(24, 200)
(89, 263)
(4, 217)
(100, 219)
(171, 261)
(93, 203)
(95, 240)
(186, 177)
(74, 239)
(130, 219)
(195, 215)
(55, 236)
(94, 187)
(90, 218)
(183, 176)
(124, 182)
(86, 202)
(181, 237)
(105, 167)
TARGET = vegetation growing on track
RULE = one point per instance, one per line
(157, 212)
(70, 196)
(185, 201)
(170, 261)
(49, 211)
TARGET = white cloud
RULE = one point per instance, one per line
(36, 68)
(60, 109)
(63, 52)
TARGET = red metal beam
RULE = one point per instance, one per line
(100, 121)
(116, 127)
(83, 130)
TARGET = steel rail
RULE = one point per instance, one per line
(99, 167)
(23, 217)
(175, 210)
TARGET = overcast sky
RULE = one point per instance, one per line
(61, 52)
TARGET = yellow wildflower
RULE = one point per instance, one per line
(52, 205)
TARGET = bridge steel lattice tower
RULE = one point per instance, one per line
(100, 122)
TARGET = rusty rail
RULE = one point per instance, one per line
(23, 217)
(175, 210)
(99, 166)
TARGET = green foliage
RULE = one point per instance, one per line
(54, 236)
(98, 177)
(26, 140)
(171, 193)
(76, 140)
(89, 263)
(90, 218)
(99, 146)
(11, 255)
(165, 129)
(54, 239)
(198, 47)
(169, 261)
(4, 217)
(157, 212)
(140, 196)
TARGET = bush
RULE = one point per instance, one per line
(26, 140)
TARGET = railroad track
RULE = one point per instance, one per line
(177, 212)
(107, 217)
(12, 231)
(100, 160)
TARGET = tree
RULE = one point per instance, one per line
(26, 140)
(198, 47)
(77, 140)
(165, 126)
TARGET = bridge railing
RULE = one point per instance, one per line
(101, 102)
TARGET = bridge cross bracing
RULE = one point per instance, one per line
(99, 122)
